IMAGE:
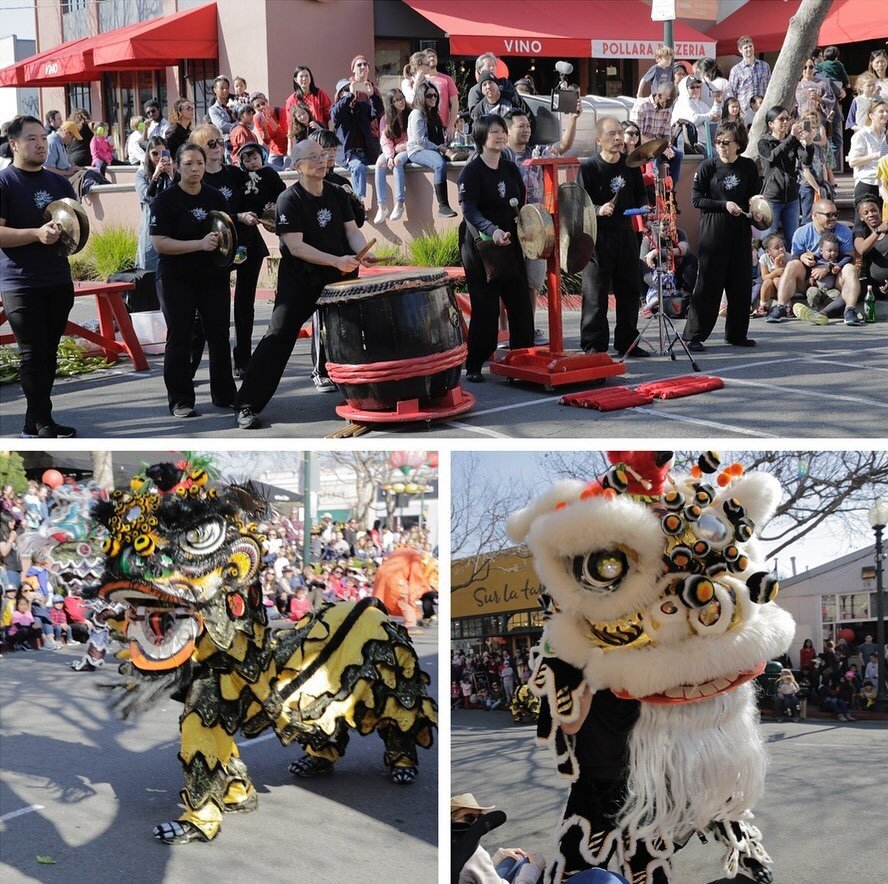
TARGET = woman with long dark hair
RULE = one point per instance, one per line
(486, 186)
(394, 156)
(191, 282)
(154, 175)
(425, 142)
(315, 99)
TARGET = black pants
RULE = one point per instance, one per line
(37, 317)
(292, 307)
(181, 296)
(615, 266)
(725, 265)
(485, 298)
(246, 280)
(318, 352)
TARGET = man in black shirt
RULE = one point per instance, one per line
(613, 187)
(35, 280)
(319, 239)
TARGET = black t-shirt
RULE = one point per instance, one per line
(258, 190)
(176, 137)
(875, 261)
(180, 215)
(78, 151)
(485, 194)
(23, 197)
(717, 183)
(602, 740)
(321, 221)
(601, 181)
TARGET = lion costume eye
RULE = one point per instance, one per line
(204, 539)
(712, 529)
(601, 570)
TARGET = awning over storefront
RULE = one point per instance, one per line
(157, 43)
(766, 21)
(553, 28)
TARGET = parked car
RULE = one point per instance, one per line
(549, 125)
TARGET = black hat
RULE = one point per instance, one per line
(487, 75)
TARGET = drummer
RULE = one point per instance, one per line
(319, 240)
(606, 177)
(35, 280)
(190, 281)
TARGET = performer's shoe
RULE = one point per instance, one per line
(540, 338)
(309, 766)
(248, 805)
(246, 420)
(82, 665)
(638, 352)
(178, 833)
(183, 411)
(323, 384)
(696, 346)
(755, 870)
(474, 377)
(50, 431)
(403, 776)
(743, 342)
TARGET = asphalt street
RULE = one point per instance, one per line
(85, 789)
(801, 381)
(822, 815)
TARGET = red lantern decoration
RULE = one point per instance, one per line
(53, 478)
(432, 460)
(405, 461)
(847, 634)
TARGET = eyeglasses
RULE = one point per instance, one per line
(828, 214)
(214, 142)
(723, 142)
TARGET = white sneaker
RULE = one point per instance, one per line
(399, 211)
(381, 214)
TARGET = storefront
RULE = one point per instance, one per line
(499, 606)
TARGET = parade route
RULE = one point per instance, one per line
(85, 789)
(801, 381)
(822, 789)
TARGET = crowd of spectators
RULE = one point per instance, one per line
(39, 609)
(487, 679)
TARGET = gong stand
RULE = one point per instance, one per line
(552, 366)
(663, 234)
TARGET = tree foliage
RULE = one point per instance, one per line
(12, 471)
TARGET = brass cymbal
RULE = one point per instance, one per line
(268, 219)
(647, 151)
(221, 223)
(74, 224)
(536, 231)
(760, 213)
(577, 227)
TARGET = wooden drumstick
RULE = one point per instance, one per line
(360, 255)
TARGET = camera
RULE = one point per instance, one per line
(564, 99)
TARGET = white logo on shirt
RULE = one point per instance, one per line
(617, 182)
(282, 219)
(200, 214)
(501, 189)
(226, 192)
(42, 199)
(252, 183)
(730, 182)
(154, 220)
(324, 217)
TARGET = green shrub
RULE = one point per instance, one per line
(389, 254)
(435, 249)
(82, 267)
(112, 250)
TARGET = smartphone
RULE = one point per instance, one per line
(806, 126)
(164, 154)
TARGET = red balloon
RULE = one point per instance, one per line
(502, 69)
(432, 460)
(53, 478)
(847, 634)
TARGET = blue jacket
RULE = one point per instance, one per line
(354, 120)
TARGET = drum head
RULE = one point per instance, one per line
(221, 223)
(73, 220)
(578, 227)
(376, 284)
(536, 232)
(761, 215)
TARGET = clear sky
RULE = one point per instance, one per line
(17, 17)
(816, 548)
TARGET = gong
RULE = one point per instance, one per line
(222, 224)
(69, 215)
(536, 231)
(760, 213)
(646, 152)
(577, 227)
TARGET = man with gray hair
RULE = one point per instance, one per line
(655, 121)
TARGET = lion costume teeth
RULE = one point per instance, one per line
(182, 560)
(657, 600)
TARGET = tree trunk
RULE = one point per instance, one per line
(801, 38)
(103, 469)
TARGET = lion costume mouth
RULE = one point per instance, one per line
(695, 693)
(160, 630)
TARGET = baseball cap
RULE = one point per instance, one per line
(71, 126)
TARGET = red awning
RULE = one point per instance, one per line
(767, 21)
(159, 42)
(551, 28)
(151, 44)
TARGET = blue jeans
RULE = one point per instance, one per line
(786, 215)
(276, 161)
(382, 190)
(431, 159)
(674, 165)
(356, 163)
(508, 868)
(806, 203)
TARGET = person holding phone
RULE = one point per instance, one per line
(154, 175)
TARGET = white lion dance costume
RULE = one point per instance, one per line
(659, 618)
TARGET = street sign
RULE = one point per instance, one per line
(705, 9)
(663, 10)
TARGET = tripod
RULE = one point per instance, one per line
(663, 235)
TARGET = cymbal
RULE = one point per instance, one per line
(760, 213)
(647, 151)
(268, 219)
(536, 231)
(577, 227)
(72, 220)
(221, 223)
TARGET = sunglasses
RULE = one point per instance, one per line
(214, 142)
(828, 214)
(722, 142)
